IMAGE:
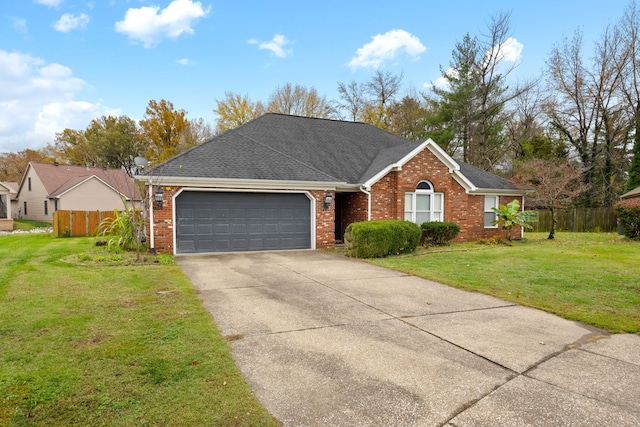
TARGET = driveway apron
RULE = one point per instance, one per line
(326, 340)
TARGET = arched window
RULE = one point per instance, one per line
(424, 204)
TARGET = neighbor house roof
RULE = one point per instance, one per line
(631, 194)
(13, 188)
(278, 147)
(58, 179)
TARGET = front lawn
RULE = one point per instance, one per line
(590, 277)
(96, 344)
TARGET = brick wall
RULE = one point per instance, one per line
(163, 222)
(464, 209)
(325, 222)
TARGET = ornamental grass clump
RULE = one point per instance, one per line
(375, 239)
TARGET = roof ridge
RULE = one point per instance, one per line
(286, 155)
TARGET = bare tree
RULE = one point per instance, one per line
(382, 90)
(586, 110)
(353, 98)
(555, 184)
(300, 101)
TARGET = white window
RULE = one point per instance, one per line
(489, 214)
(424, 204)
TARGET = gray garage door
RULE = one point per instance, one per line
(226, 222)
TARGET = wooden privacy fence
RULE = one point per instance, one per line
(578, 220)
(78, 223)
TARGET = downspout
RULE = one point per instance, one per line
(522, 228)
(152, 244)
(368, 193)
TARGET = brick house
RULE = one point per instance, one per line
(289, 182)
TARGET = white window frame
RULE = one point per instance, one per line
(488, 210)
(411, 212)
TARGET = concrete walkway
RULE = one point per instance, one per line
(325, 340)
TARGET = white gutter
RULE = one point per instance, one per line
(362, 188)
(152, 243)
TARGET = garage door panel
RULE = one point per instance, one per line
(222, 213)
(222, 222)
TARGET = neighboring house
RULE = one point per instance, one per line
(633, 194)
(289, 182)
(6, 220)
(48, 187)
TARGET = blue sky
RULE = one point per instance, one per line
(66, 62)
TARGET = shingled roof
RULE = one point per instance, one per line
(58, 179)
(281, 147)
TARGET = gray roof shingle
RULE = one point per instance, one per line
(484, 179)
(293, 148)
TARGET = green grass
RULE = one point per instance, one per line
(97, 344)
(26, 224)
(590, 277)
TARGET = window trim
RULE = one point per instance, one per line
(46, 208)
(485, 211)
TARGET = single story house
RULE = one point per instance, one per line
(6, 220)
(290, 182)
(48, 187)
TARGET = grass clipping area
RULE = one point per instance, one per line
(110, 345)
(593, 278)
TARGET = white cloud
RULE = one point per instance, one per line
(69, 22)
(510, 53)
(275, 45)
(184, 61)
(20, 25)
(49, 3)
(39, 99)
(385, 47)
(149, 25)
(511, 50)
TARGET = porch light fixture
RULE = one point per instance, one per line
(327, 200)
(159, 197)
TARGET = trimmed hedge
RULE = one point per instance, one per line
(439, 233)
(375, 239)
(628, 212)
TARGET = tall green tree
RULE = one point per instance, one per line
(115, 142)
(406, 118)
(473, 97)
(72, 147)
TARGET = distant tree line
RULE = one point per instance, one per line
(581, 117)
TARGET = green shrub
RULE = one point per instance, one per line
(628, 212)
(439, 233)
(375, 239)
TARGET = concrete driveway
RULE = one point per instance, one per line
(325, 340)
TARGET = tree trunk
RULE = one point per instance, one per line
(554, 221)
